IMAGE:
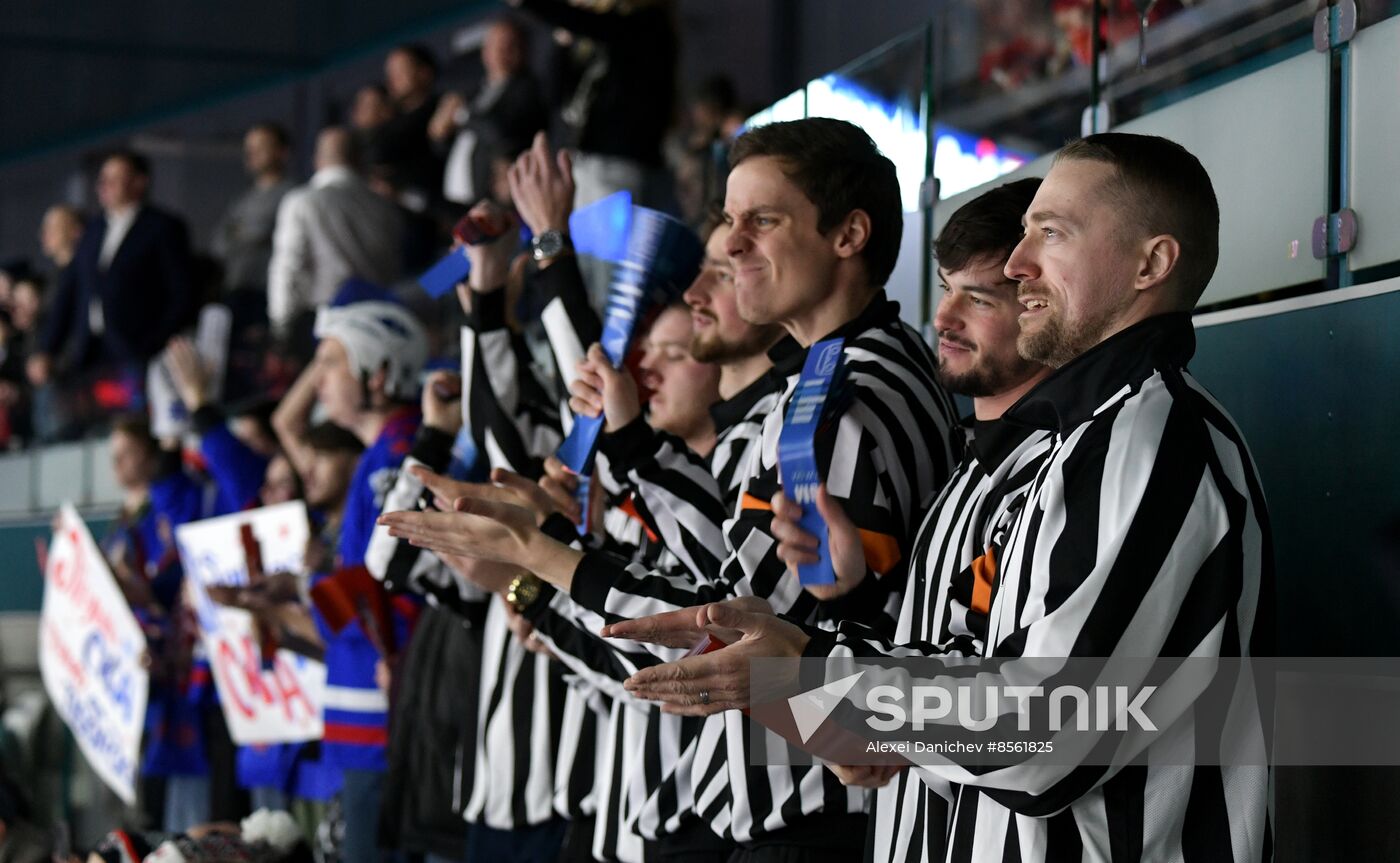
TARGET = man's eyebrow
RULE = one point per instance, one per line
(997, 288)
(1047, 216)
(761, 208)
(977, 287)
(994, 290)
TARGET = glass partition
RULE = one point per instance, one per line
(1158, 52)
(883, 93)
(1011, 75)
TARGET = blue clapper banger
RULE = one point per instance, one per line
(656, 258)
(818, 401)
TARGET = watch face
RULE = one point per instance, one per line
(548, 244)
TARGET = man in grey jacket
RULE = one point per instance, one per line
(333, 228)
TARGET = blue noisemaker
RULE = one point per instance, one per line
(656, 257)
(818, 400)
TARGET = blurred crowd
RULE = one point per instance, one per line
(83, 333)
(284, 362)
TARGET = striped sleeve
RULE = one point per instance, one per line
(571, 633)
(570, 322)
(507, 407)
(520, 712)
(1145, 536)
(673, 491)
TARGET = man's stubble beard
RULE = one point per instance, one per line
(984, 382)
(714, 350)
(1056, 343)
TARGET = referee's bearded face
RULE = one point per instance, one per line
(782, 264)
(721, 333)
(977, 331)
(1075, 264)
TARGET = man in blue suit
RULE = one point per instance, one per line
(127, 291)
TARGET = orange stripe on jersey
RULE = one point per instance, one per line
(881, 550)
(630, 508)
(984, 575)
(748, 501)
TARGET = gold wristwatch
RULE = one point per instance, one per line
(523, 591)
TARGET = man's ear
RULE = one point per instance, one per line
(376, 384)
(1157, 261)
(851, 236)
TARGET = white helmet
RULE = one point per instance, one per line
(377, 335)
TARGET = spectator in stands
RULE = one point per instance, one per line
(333, 228)
(369, 111)
(335, 451)
(26, 303)
(242, 243)
(698, 155)
(17, 420)
(126, 291)
(281, 482)
(410, 76)
(365, 377)
(10, 272)
(59, 233)
(236, 452)
(625, 99)
(243, 238)
(500, 120)
(158, 497)
(20, 840)
(273, 774)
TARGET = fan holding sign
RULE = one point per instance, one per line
(265, 699)
(92, 655)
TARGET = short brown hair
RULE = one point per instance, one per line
(986, 228)
(279, 134)
(839, 168)
(137, 426)
(714, 217)
(1161, 188)
(328, 437)
(139, 164)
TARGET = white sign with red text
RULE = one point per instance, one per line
(276, 701)
(92, 655)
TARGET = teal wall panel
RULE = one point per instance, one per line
(1317, 394)
(21, 582)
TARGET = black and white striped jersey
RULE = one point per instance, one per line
(682, 497)
(888, 453)
(520, 738)
(946, 600)
(660, 477)
(509, 409)
(1144, 534)
(666, 770)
